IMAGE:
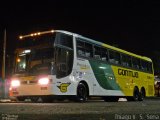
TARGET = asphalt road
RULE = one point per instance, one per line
(149, 109)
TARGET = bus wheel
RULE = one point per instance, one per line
(82, 93)
(141, 94)
(135, 94)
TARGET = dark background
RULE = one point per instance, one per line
(132, 25)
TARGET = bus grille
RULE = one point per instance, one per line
(29, 82)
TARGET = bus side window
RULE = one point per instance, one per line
(97, 52)
(80, 48)
(126, 60)
(117, 57)
(81, 53)
(144, 65)
(88, 50)
(136, 63)
(114, 57)
(104, 54)
(149, 67)
(111, 57)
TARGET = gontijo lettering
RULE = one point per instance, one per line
(127, 73)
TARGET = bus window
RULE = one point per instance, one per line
(21, 63)
(149, 67)
(64, 62)
(88, 50)
(144, 65)
(104, 54)
(64, 40)
(126, 60)
(114, 57)
(136, 63)
(80, 48)
(97, 52)
(84, 49)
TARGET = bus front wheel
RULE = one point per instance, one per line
(82, 94)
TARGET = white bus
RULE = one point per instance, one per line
(58, 64)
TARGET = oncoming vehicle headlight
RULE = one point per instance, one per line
(43, 81)
(15, 83)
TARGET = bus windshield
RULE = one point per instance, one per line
(40, 61)
(37, 61)
(35, 54)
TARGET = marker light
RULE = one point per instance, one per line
(35, 34)
(15, 83)
(43, 81)
(20, 37)
(52, 31)
(18, 60)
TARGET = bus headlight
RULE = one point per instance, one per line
(43, 81)
(15, 83)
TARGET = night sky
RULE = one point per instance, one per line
(131, 25)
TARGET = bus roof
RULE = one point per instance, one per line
(92, 41)
(106, 45)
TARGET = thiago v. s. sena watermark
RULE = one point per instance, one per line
(9, 117)
(137, 116)
(124, 117)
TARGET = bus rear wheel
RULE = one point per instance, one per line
(82, 93)
(135, 96)
(141, 94)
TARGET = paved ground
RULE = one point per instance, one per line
(149, 109)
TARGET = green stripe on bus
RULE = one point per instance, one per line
(104, 75)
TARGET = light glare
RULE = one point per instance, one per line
(18, 60)
(15, 83)
(43, 81)
(20, 37)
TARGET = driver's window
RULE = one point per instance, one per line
(64, 62)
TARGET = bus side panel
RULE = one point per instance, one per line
(128, 79)
(105, 83)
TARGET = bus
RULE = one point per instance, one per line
(58, 64)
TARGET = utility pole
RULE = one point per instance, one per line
(4, 67)
(4, 57)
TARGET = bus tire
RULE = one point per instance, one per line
(135, 94)
(82, 93)
(141, 94)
